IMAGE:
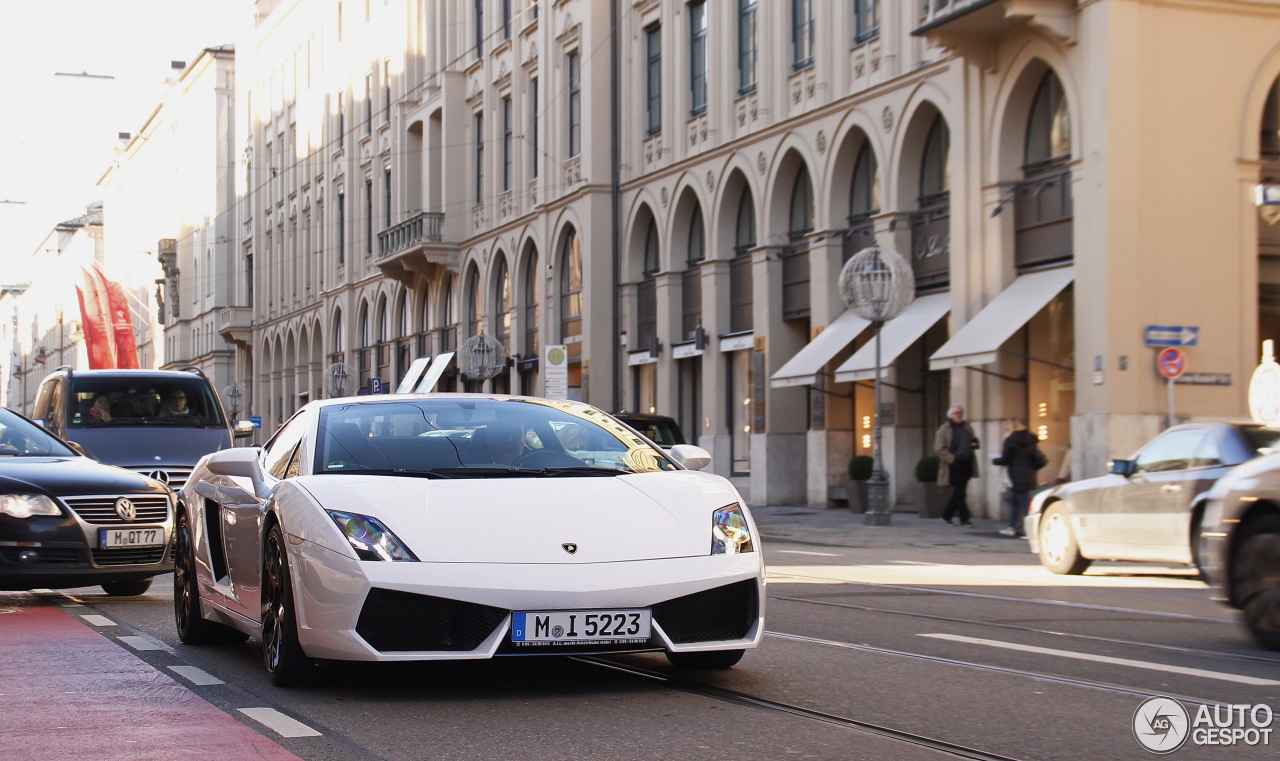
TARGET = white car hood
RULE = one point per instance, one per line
(529, 520)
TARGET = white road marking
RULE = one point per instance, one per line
(99, 620)
(195, 675)
(284, 726)
(913, 562)
(803, 552)
(1202, 673)
(141, 643)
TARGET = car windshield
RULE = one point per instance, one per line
(476, 437)
(1262, 439)
(124, 401)
(20, 437)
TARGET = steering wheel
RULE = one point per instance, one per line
(545, 458)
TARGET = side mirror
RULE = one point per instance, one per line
(79, 449)
(239, 461)
(243, 429)
(691, 457)
(1122, 467)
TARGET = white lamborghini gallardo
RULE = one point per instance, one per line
(451, 526)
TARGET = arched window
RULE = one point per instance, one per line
(382, 321)
(402, 310)
(647, 292)
(935, 168)
(740, 280)
(571, 286)
(691, 286)
(366, 332)
(1049, 125)
(531, 304)
(474, 305)
(1271, 124)
(337, 333)
(864, 195)
(795, 258)
(502, 302)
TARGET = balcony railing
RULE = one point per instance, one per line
(423, 227)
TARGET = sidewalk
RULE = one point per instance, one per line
(67, 691)
(840, 527)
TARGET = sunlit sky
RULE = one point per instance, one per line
(59, 134)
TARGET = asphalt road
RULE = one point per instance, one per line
(918, 641)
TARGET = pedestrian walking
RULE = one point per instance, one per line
(955, 443)
(1021, 455)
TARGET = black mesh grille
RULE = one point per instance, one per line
(393, 620)
(44, 555)
(718, 614)
(133, 556)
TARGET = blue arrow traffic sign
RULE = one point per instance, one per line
(1172, 335)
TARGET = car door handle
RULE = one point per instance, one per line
(1171, 488)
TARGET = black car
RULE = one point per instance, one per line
(1149, 507)
(68, 521)
(660, 429)
(1240, 544)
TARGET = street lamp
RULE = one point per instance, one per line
(877, 284)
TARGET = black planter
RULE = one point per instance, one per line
(933, 499)
(856, 493)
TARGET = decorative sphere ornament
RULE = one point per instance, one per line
(877, 284)
(481, 357)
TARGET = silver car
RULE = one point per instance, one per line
(1240, 545)
(1149, 507)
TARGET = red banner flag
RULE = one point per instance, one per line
(126, 345)
(97, 338)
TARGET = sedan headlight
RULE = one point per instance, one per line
(27, 505)
(370, 538)
(730, 533)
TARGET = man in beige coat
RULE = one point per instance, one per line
(955, 444)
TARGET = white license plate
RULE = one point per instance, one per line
(554, 627)
(109, 538)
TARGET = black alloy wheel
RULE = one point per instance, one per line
(192, 628)
(287, 664)
(1255, 576)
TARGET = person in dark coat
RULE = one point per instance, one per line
(1022, 456)
(955, 443)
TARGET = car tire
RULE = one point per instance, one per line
(1059, 551)
(706, 660)
(127, 587)
(192, 628)
(1255, 574)
(282, 654)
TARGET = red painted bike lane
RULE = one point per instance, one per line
(68, 692)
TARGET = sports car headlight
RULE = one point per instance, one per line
(369, 538)
(27, 505)
(730, 533)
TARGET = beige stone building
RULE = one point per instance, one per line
(674, 201)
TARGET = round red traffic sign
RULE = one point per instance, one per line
(1171, 363)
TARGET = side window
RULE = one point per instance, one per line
(57, 413)
(1172, 451)
(282, 447)
(1207, 456)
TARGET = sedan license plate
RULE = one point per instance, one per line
(595, 627)
(134, 536)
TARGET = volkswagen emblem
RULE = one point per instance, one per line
(159, 475)
(125, 509)
(570, 547)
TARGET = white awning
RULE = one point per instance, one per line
(979, 341)
(896, 336)
(803, 368)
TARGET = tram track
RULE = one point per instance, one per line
(737, 697)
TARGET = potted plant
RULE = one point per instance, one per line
(934, 499)
(855, 489)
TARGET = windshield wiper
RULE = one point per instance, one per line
(189, 422)
(389, 472)
(581, 470)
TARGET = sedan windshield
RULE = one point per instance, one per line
(20, 437)
(468, 437)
